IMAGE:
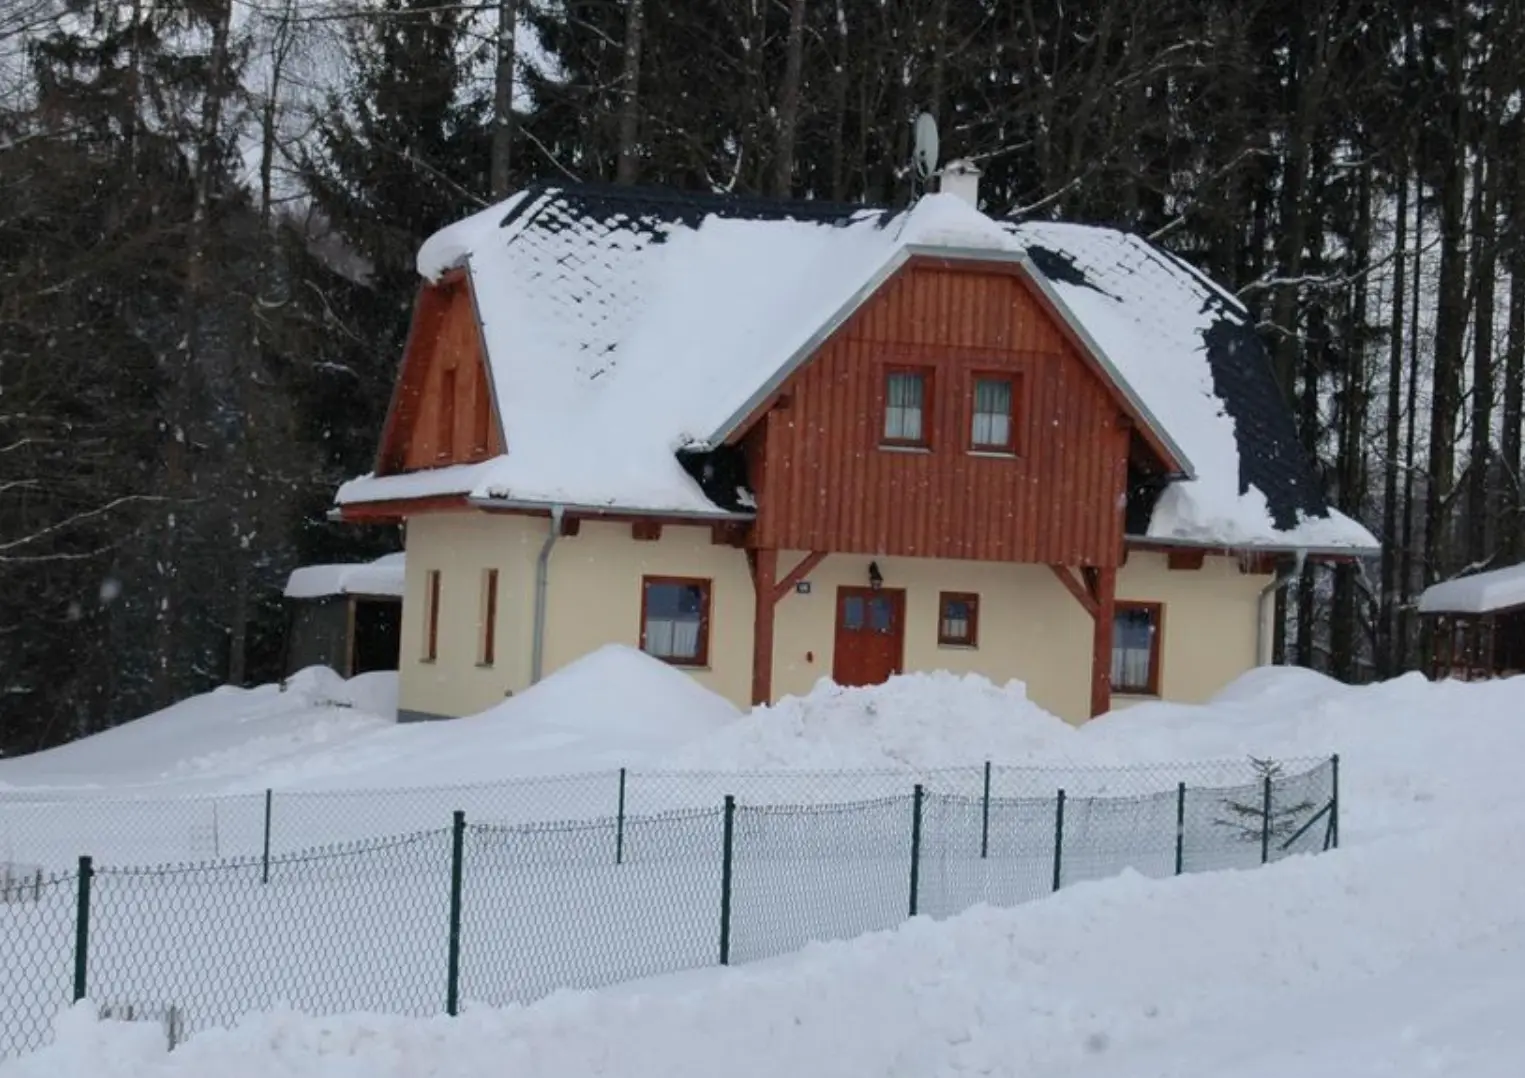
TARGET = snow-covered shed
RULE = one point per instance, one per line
(1479, 623)
(345, 616)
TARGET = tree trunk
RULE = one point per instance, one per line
(1387, 644)
(1343, 643)
(1406, 545)
(789, 101)
(1450, 334)
(627, 161)
(503, 98)
(1485, 203)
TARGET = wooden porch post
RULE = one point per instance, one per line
(764, 563)
(1105, 584)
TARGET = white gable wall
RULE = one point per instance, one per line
(1031, 628)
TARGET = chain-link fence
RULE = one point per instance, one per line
(499, 911)
(51, 832)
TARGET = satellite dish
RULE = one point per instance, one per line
(924, 154)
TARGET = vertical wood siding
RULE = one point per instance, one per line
(826, 483)
(443, 359)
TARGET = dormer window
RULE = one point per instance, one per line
(906, 400)
(993, 427)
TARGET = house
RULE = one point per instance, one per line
(347, 617)
(1478, 623)
(772, 442)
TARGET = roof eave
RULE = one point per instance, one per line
(1280, 547)
(589, 510)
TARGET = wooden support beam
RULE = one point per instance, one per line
(1101, 654)
(1076, 588)
(646, 531)
(1187, 560)
(729, 533)
(571, 525)
(798, 573)
(764, 563)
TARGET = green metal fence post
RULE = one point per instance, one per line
(1059, 841)
(264, 876)
(916, 797)
(82, 928)
(619, 824)
(985, 817)
(457, 858)
(1180, 828)
(727, 854)
(1334, 802)
(1265, 824)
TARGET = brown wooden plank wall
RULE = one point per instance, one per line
(444, 353)
(828, 485)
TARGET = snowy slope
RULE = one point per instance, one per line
(1317, 966)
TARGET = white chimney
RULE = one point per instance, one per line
(962, 179)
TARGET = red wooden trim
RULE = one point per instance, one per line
(489, 617)
(1102, 635)
(1076, 588)
(799, 572)
(431, 633)
(646, 531)
(571, 525)
(1013, 269)
(1013, 380)
(444, 416)
(764, 564)
(1156, 612)
(928, 387)
(704, 585)
(401, 508)
(728, 533)
(1187, 560)
(429, 308)
(973, 639)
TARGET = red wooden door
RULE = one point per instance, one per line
(870, 639)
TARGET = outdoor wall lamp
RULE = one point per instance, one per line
(875, 577)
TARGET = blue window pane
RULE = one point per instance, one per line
(672, 600)
(852, 613)
(880, 615)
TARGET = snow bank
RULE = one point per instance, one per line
(1074, 985)
(913, 721)
(214, 742)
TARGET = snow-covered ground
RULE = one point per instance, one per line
(1397, 955)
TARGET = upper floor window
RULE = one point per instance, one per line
(1136, 649)
(906, 399)
(993, 426)
(675, 619)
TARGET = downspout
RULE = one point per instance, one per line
(1282, 579)
(542, 578)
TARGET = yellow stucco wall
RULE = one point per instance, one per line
(1030, 626)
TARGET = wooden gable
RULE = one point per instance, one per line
(442, 409)
(827, 480)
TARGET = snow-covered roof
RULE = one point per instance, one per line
(384, 576)
(623, 326)
(1480, 593)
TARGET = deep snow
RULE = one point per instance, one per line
(1397, 955)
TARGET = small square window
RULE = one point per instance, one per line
(1136, 649)
(905, 408)
(993, 426)
(958, 620)
(675, 619)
